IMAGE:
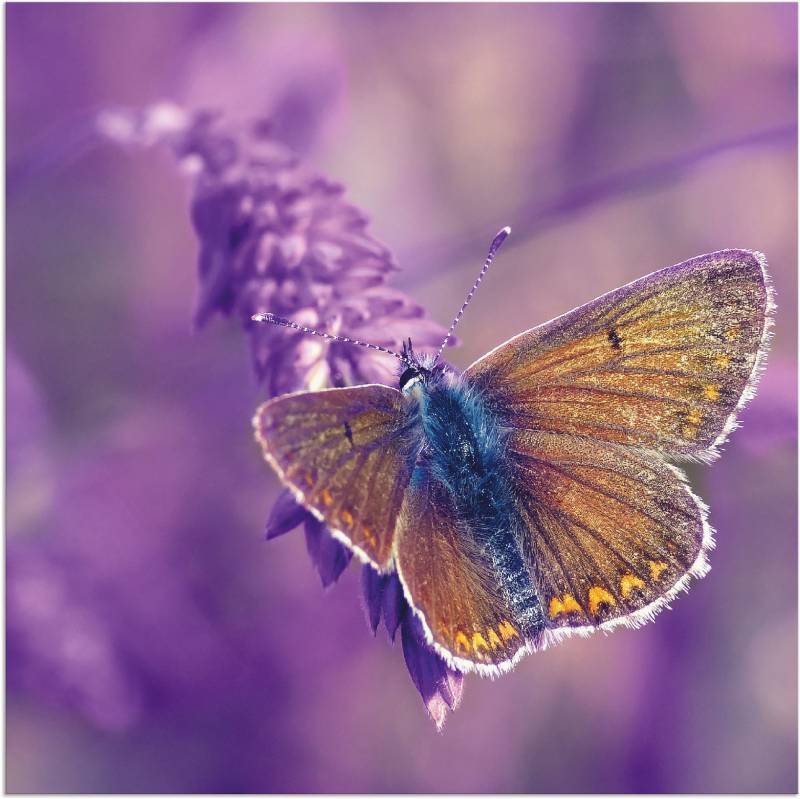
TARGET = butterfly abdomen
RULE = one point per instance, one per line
(465, 454)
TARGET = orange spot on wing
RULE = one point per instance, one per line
(479, 642)
(325, 496)
(656, 567)
(567, 604)
(599, 596)
(493, 639)
(347, 517)
(507, 630)
(308, 479)
(370, 536)
(711, 392)
(693, 419)
(732, 333)
(628, 583)
(462, 643)
(723, 361)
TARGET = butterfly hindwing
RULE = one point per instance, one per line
(613, 531)
(446, 576)
(347, 454)
(662, 363)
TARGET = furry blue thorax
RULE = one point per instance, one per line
(464, 441)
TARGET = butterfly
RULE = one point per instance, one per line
(534, 496)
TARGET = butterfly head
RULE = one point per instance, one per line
(417, 370)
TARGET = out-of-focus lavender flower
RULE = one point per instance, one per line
(278, 238)
(29, 479)
(771, 423)
(60, 646)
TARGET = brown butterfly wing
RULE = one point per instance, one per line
(347, 454)
(662, 363)
(450, 584)
(614, 531)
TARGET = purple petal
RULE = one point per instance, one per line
(394, 604)
(440, 687)
(372, 587)
(452, 688)
(285, 515)
(437, 710)
(330, 558)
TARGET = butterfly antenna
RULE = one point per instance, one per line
(281, 322)
(495, 246)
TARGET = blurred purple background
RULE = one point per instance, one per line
(155, 642)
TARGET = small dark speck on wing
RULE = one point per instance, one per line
(614, 338)
(348, 432)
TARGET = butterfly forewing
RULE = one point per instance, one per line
(661, 363)
(612, 531)
(347, 454)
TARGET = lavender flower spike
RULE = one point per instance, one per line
(277, 238)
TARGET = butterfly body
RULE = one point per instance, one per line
(532, 497)
(462, 457)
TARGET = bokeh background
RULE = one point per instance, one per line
(155, 641)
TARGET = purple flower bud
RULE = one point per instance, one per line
(286, 514)
(394, 604)
(372, 587)
(441, 688)
(330, 558)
